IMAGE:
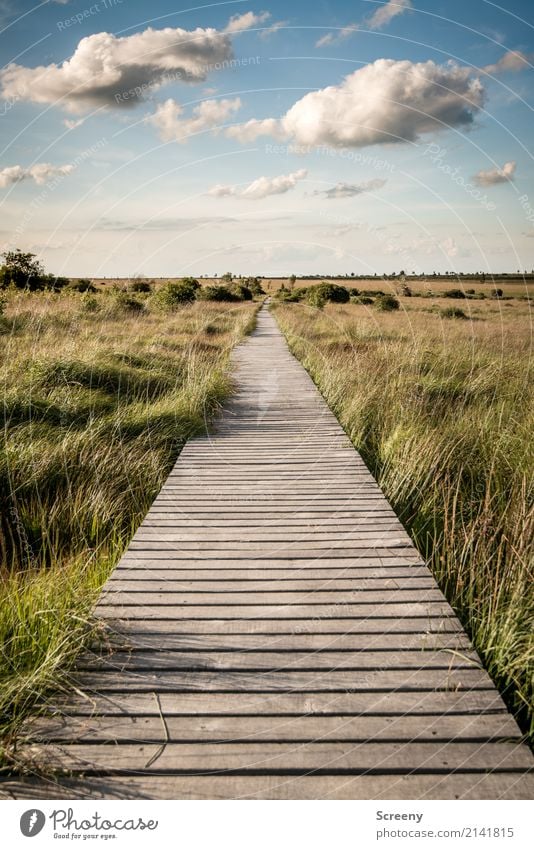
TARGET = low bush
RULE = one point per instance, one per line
(291, 296)
(171, 296)
(232, 292)
(141, 287)
(82, 285)
(318, 296)
(254, 284)
(217, 293)
(124, 302)
(454, 293)
(90, 303)
(241, 292)
(453, 312)
(387, 303)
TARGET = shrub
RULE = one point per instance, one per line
(497, 293)
(53, 283)
(123, 301)
(454, 293)
(89, 303)
(318, 296)
(387, 303)
(216, 293)
(453, 312)
(173, 295)
(253, 283)
(241, 292)
(82, 285)
(141, 287)
(364, 300)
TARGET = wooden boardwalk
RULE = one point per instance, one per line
(276, 634)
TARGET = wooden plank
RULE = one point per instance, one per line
(491, 786)
(377, 598)
(317, 756)
(172, 581)
(380, 642)
(216, 729)
(173, 660)
(265, 681)
(477, 703)
(305, 625)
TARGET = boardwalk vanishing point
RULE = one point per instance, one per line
(275, 634)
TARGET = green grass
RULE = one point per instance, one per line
(96, 407)
(443, 414)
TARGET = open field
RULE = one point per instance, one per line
(98, 399)
(442, 411)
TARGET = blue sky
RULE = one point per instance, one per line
(267, 138)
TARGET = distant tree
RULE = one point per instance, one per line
(22, 270)
(227, 278)
(292, 281)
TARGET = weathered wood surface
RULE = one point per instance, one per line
(272, 633)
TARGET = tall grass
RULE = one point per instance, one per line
(96, 405)
(442, 413)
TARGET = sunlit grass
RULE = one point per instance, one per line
(96, 407)
(442, 412)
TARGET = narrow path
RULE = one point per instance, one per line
(276, 633)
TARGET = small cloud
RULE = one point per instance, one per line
(350, 190)
(262, 187)
(334, 37)
(220, 191)
(240, 23)
(253, 129)
(208, 115)
(278, 25)
(72, 124)
(513, 60)
(496, 175)
(379, 19)
(385, 13)
(40, 173)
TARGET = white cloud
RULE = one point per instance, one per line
(513, 60)
(278, 25)
(349, 190)
(262, 187)
(40, 173)
(383, 102)
(254, 128)
(106, 70)
(379, 19)
(248, 20)
(71, 124)
(385, 13)
(208, 115)
(496, 175)
(334, 37)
